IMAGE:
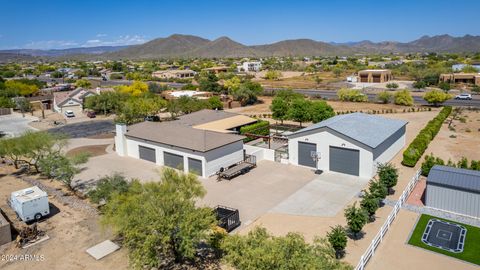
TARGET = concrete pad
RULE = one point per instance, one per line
(103, 249)
(324, 196)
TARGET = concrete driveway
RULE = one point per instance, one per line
(14, 124)
(324, 196)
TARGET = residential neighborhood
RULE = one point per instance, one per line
(241, 143)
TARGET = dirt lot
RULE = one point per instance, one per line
(71, 232)
(305, 81)
(51, 117)
(92, 150)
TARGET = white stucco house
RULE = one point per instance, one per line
(351, 143)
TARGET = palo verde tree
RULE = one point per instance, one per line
(159, 221)
(436, 97)
(260, 250)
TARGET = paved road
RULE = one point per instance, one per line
(332, 94)
(14, 124)
(85, 129)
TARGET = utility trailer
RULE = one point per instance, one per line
(228, 218)
(30, 204)
(238, 168)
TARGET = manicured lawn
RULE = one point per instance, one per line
(472, 242)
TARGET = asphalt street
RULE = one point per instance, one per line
(85, 129)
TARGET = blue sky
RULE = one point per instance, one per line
(63, 24)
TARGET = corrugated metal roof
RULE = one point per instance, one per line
(455, 178)
(224, 125)
(370, 130)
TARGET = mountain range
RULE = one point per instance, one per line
(193, 46)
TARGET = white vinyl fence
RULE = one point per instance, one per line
(384, 229)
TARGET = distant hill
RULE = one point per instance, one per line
(192, 46)
(63, 52)
(16, 57)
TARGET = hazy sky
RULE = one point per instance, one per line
(63, 24)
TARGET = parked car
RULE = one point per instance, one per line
(464, 96)
(91, 114)
(69, 114)
(152, 118)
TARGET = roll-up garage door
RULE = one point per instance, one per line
(173, 160)
(147, 153)
(195, 166)
(305, 154)
(344, 160)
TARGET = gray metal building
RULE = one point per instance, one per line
(454, 190)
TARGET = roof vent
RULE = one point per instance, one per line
(28, 191)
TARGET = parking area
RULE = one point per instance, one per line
(14, 124)
(325, 196)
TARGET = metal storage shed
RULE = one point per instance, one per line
(453, 189)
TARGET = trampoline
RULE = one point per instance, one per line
(444, 235)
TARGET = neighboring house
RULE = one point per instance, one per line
(71, 100)
(186, 93)
(216, 70)
(453, 189)
(251, 66)
(468, 78)
(459, 67)
(201, 142)
(174, 74)
(351, 143)
(374, 75)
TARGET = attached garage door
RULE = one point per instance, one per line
(147, 153)
(305, 154)
(344, 160)
(173, 160)
(195, 166)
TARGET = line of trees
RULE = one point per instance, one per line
(288, 105)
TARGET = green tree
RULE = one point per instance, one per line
(215, 103)
(392, 85)
(337, 71)
(273, 75)
(159, 221)
(135, 109)
(299, 111)
(57, 166)
(209, 83)
(260, 250)
(356, 218)
(83, 83)
(337, 237)
(388, 175)
(384, 97)
(6, 102)
(419, 85)
(232, 84)
(469, 69)
(247, 93)
(24, 106)
(320, 110)
(436, 97)
(403, 97)
(377, 189)
(279, 108)
(370, 204)
(108, 186)
(22, 88)
(430, 161)
(444, 86)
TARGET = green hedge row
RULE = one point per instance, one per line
(418, 146)
(259, 128)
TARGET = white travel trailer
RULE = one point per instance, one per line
(30, 204)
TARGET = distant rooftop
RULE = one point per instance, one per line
(367, 129)
(468, 180)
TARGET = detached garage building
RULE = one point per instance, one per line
(350, 143)
(454, 189)
(200, 143)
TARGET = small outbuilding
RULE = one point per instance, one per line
(453, 189)
(351, 143)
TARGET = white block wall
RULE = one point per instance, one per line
(259, 152)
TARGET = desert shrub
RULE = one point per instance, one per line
(352, 95)
(403, 98)
(107, 186)
(418, 146)
(384, 97)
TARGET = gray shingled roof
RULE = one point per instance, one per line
(204, 116)
(181, 135)
(367, 129)
(456, 178)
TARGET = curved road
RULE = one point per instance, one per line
(332, 94)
